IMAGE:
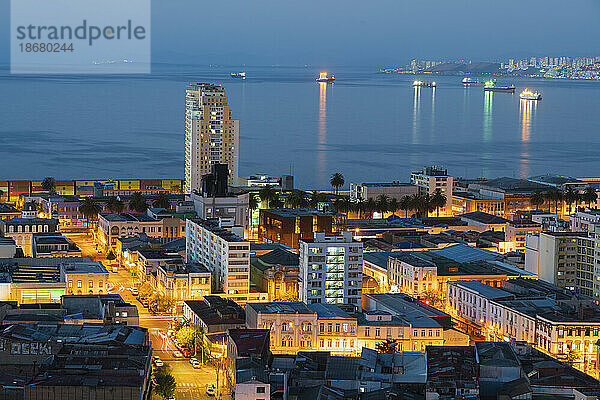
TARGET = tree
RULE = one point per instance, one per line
(316, 198)
(276, 203)
(161, 303)
(138, 202)
(267, 195)
(49, 184)
(393, 206)
(115, 205)
(589, 196)
(145, 290)
(571, 196)
(382, 204)
(164, 383)
(343, 205)
(186, 336)
(89, 208)
(337, 181)
(297, 199)
(537, 199)
(370, 207)
(162, 200)
(252, 202)
(438, 200)
(387, 346)
(573, 356)
(405, 204)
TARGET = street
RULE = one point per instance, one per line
(191, 383)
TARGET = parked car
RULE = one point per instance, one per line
(186, 352)
(195, 363)
(177, 354)
(158, 362)
(134, 291)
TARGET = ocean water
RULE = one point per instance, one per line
(368, 126)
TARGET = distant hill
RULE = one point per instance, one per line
(472, 68)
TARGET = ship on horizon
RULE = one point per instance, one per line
(469, 81)
(238, 75)
(490, 86)
(529, 95)
(424, 84)
(324, 78)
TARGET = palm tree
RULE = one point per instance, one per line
(115, 205)
(343, 205)
(267, 195)
(316, 198)
(370, 207)
(382, 204)
(416, 203)
(589, 196)
(162, 201)
(164, 383)
(297, 199)
(537, 199)
(49, 184)
(556, 196)
(393, 206)
(89, 209)
(337, 181)
(571, 196)
(360, 207)
(138, 202)
(438, 200)
(252, 202)
(405, 204)
(276, 203)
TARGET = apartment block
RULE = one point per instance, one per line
(226, 255)
(331, 269)
(211, 135)
(432, 178)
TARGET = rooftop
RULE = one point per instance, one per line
(213, 226)
(298, 212)
(127, 217)
(483, 218)
(292, 307)
(8, 209)
(250, 341)
(484, 290)
(275, 257)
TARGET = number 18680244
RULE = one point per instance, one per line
(46, 47)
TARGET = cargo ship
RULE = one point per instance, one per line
(324, 78)
(469, 81)
(490, 86)
(238, 75)
(424, 84)
(529, 95)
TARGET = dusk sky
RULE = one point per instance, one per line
(349, 32)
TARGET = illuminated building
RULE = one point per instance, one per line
(330, 269)
(113, 226)
(53, 244)
(425, 273)
(565, 259)
(432, 178)
(226, 255)
(290, 225)
(22, 229)
(276, 273)
(397, 190)
(7, 211)
(542, 314)
(296, 326)
(181, 281)
(211, 136)
(516, 231)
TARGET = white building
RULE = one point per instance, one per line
(331, 269)
(397, 190)
(211, 136)
(252, 390)
(232, 208)
(227, 256)
(432, 178)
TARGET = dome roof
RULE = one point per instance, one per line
(29, 206)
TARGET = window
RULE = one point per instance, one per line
(70, 284)
(260, 389)
(377, 332)
(91, 284)
(78, 284)
(367, 331)
(321, 327)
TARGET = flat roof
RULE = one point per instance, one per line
(484, 218)
(299, 212)
(129, 216)
(291, 307)
(484, 290)
(212, 225)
